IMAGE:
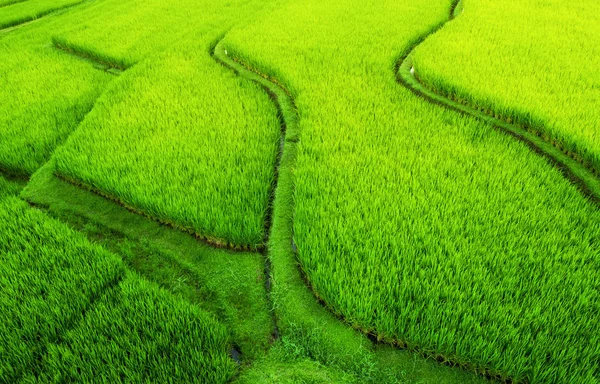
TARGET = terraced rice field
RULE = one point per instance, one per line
(304, 191)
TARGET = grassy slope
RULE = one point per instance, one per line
(45, 94)
(66, 311)
(462, 228)
(532, 61)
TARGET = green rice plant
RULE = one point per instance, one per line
(307, 331)
(229, 285)
(45, 93)
(15, 13)
(185, 141)
(530, 61)
(9, 187)
(141, 333)
(49, 275)
(4, 3)
(129, 31)
(212, 157)
(181, 139)
(423, 228)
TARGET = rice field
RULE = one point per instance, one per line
(533, 62)
(19, 12)
(299, 191)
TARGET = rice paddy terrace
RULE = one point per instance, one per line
(299, 191)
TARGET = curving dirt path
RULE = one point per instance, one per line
(585, 179)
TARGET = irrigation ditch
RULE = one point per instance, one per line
(284, 104)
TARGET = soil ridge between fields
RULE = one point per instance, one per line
(210, 241)
(110, 67)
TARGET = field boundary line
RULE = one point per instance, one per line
(76, 318)
(288, 117)
(452, 361)
(103, 65)
(210, 241)
(14, 175)
(571, 165)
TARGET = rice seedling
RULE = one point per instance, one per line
(533, 62)
(49, 274)
(418, 226)
(144, 334)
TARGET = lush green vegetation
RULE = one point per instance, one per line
(52, 275)
(199, 162)
(531, 61)
(179, 126)
(139, 333)
(49, 275)
(393, 232)
(15, 13)
(4, 3)
(127, 31)
(414, 223)
(229, 285)
(45, 93)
